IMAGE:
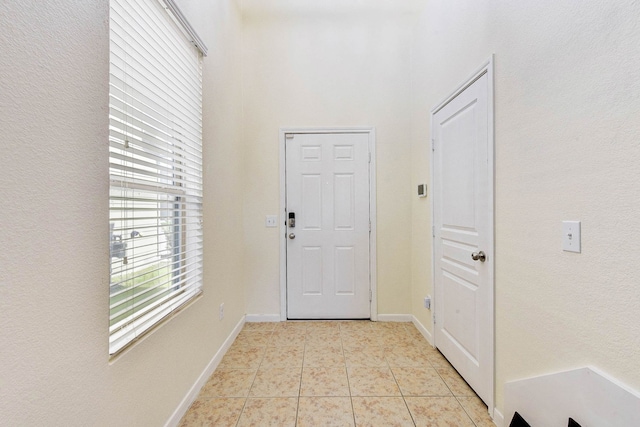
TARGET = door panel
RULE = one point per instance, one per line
(310, 214)
(462, 226)
(312, 270)
(344, 198)
(327, 187)
(345, 271)
(460, 295)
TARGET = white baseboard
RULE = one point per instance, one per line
(498, 418)
(262, 318)
(425, 333)
(182, 409)
(394, 318)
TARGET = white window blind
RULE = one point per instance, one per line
(155, 167)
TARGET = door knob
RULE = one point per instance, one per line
(292, 236)
(479, 256)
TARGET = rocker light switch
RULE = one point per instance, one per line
(571, 236)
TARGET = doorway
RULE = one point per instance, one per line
(328, 231)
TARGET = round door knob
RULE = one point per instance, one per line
(479, 256)
(292, 236)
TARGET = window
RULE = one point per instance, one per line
(155, 166)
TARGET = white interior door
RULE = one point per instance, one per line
(327, 190)
(463, 230)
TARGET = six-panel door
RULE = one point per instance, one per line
(327, 189)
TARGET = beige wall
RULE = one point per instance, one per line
(54, 275)
(320, 64)
(567, 85)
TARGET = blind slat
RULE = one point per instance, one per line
(125, 182)
(149, 288)
(123, 117)
(164, 148)
(152, 259)
(143, 296)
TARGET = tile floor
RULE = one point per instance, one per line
(335, 373)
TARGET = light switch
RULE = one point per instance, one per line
(271, 221)
(571, 236)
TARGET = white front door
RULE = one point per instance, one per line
(463, 230)
(327, 195)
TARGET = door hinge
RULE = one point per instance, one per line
(370, 295)
(369, 226)
(433, 230)
(434, 318)
(369, 157)
(433, 145)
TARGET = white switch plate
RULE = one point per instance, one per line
(271, 221)
(571, 236)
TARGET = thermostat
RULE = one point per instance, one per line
(422, 190)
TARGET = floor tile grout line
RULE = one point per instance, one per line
(246, 399)
(455, 396)
(403, 396)
(353, 410)
(254, 380)
(465, 410)
(304, 351)
(244, 405)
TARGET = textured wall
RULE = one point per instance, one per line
(54, 363)
(54, 270)
(567, 102)
(318, 64)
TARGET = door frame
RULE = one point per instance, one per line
(486, 68)
(371, 132)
